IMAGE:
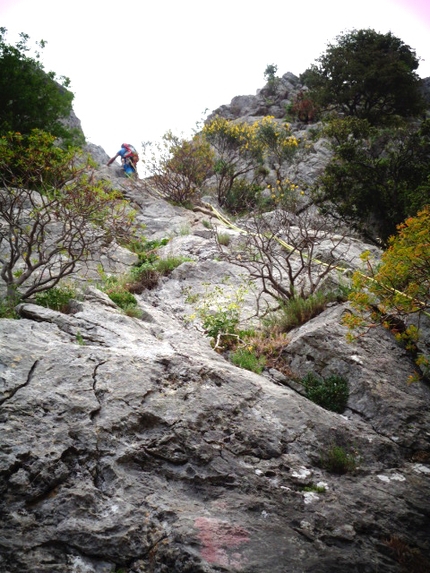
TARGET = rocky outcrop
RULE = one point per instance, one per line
(270, 100)
(143, 449)
(129, 445)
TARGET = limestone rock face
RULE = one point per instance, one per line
(131, 445)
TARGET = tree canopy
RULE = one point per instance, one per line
(31, 98)
(377, 177)
(367, 75)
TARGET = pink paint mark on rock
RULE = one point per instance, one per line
(218, 538)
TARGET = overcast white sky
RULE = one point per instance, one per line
(140, 67)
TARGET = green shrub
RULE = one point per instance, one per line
(221, 321)
(7, 309)
(299, 310)
(242, 197)
(143, 277)
(79, 339)
(247, 359)
(330, 393)
(315, 488)
(224, 239)
(168, 264)
(57, 298)
(338, 460)
(132, 310)
(178, 168)
(122, 298)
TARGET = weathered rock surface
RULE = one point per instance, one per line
(145, 450)
(130, 445)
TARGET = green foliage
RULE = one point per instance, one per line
(178, 167)
(56, 298)
(271, 78)
(121, 297)
(7, 308)
(34, 161)
(143, 275)
(330, 393)
(398, 287)
(278, 142)
(219, 311)
(367, 75)
(242, 197)
(338, 460)
(242, 149)
(79, 339)
(169, 263)
(299, 310)
(223, 239)
(146, 250)
(377, 177)
(238, 152)
(221, 321)
(30, 98)
(146, 273)
(315, 488)
(245, 358)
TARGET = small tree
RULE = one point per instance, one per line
(179, 167)
(367, 75)
(279, 252)
(48, 234)
(270, 77)
(239, 152)
(278, 143)
(244, 150)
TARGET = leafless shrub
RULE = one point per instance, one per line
(279, 251)
(45, 236)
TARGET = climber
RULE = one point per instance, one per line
(129, 159)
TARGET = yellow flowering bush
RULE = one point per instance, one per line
(398, 287)
(243, 149)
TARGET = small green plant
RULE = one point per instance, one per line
(299, 310)
(338, 460)
(223, 239)
(330, 393)
(315, 488)
(245, 358)
(219, 312)
(168, 264)
(122, 298)
(242, 197)
(206, 224)
(79, 339)
(56, 298)
(7, 308)
(132, 310)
